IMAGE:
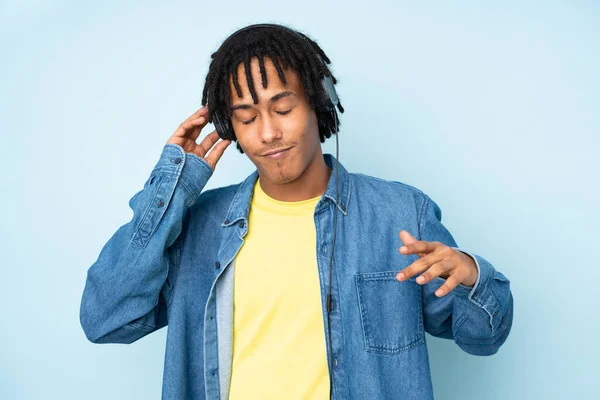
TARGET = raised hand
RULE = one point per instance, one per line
(187, 133)
(437, 259)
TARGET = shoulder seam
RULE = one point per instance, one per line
(412, 188)
(421, 213)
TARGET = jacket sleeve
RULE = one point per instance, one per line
(127, 293)
(477, 318)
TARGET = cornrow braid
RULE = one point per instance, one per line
(281, 47)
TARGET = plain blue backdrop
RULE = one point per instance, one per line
(491, 109)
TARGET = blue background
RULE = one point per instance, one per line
(491, 109)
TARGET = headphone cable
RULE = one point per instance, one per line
(329, 299)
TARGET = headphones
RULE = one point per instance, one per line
(328, 96)
(328, 101)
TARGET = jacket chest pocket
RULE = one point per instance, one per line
(391, 312)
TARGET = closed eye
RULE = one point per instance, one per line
(278, 112)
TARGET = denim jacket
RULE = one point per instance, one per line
(173, 263)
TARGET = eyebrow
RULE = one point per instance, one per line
(273, 99)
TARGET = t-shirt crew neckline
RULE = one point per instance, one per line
(265, 202)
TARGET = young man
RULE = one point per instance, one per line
(241, 273)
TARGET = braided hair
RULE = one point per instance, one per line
(280, 46)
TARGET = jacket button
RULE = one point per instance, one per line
(217, 265)
(324, 248)
(241, 224)
(161, 203)
(177, 160)
(226, 221)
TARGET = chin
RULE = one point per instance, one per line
(279, 173)
(282, 178)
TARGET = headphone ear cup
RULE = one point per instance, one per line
(329, 100)
(328, 96)
(329, 91)
(223, 128)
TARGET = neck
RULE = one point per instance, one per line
(310, 184)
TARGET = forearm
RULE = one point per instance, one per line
(481, 316)
(478, 318)
(123, 298)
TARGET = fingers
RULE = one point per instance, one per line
(192, 125)
(436, 260)
(406, 237)
(215, 154)
(433, 272)
(197, 126)
(189, 125)
(191, 128)
(451, 282)
(201, 112)
(207, 143)
(409, 242)
(437, 270)
(418, 246)
(418, 266)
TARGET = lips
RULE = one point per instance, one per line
(277, 153)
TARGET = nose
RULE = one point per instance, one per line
(269, 131)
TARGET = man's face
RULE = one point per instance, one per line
(281, 119)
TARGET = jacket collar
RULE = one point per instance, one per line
(240, 205)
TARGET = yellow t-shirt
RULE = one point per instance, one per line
(279, 348)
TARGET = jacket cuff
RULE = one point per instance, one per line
(193, 171)
(482, 293)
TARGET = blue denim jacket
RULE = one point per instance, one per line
(173, 263)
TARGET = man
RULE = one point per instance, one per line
(241, 273)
